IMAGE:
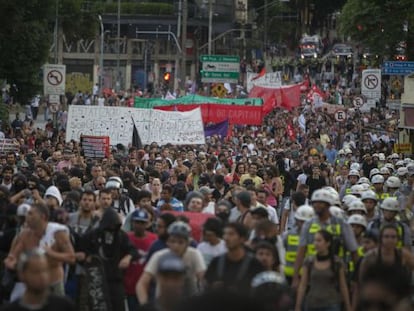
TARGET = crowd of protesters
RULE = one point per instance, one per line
(301, 212)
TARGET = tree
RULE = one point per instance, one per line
(378, 24)
(24, 43)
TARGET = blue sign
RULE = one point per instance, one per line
(397, 68)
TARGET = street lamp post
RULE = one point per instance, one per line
(55, 34)
(118, 74)
(101, 54)
(210, 24)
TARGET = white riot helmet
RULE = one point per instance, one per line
(393, 182)
(341, 152)
(357, 220)
(354, 166)
(381, 156)
(336, 212)
(114, 183)
(348, 151)
(384, 171)
(369, 195)
(390, 204)
(390, 167)
(353, 173)
(402, 171)
(395, 156)
(357, 190)
(365, 186)
(377, 179)
(322, 195)
(373, 172)
(363, 180)
(407, 161)
(335, 195)
(347, 199)
(400, 163)
(357, 205)
(304, 212)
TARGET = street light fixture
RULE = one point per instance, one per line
(101, 54)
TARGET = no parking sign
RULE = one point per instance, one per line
(340, 115)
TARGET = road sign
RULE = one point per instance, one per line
(371, 83)
(397, 68)
(220, 68)
(219, 77)
(358, 101)
(55, 99)
(54, 79)
(340, 115)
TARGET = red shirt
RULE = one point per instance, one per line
(135, 269)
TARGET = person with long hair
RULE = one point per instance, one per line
(324, 277)
(156, 189)
(273, 186)
(388, 253)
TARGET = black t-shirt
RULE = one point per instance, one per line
(53, 303)
(230, 278)
(315, 184)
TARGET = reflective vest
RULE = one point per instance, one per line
(291, 252)
(334, 229)
(351, 266)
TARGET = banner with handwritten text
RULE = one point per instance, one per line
(162, 127)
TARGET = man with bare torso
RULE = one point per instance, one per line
(53, 238)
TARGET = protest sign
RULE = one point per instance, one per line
(95, 146)
(117, 123)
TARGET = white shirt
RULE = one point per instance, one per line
(101, 101)
(210, 251)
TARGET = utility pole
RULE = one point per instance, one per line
(55, 35)
(184, 41)
(101, 63)
(265, 30)
(210, 24)
(118, 74)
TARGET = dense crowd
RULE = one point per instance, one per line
(302, 212)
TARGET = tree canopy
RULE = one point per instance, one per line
(378, 24)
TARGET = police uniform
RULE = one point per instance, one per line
(291, 246)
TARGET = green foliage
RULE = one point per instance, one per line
(24, 43)
(377, 24)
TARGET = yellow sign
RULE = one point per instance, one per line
(403, 148)
(77, 81)
(219, 90)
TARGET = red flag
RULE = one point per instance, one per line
(291, 132)
(261, 74)
(290, 96)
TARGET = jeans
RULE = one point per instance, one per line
(133, 303)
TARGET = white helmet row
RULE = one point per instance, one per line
(363, 180)
(347, 199)
(357, 220)
(304, 212)
(393, 182)
(357, 205)
(384, 171)
(390, 204)
(357, 189)
(373, 172)
(323, 195)
(369, 195)
(354, 173)
(335, 195)
(377, 179)
(337, 212)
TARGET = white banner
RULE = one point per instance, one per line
(162, 127)
(270, 80)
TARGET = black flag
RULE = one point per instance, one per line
(136, 139)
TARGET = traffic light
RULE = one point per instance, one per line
(167, 77)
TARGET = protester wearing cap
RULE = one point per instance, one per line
(178, 243)
(142, 240)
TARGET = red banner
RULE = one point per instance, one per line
(216, 113)
(286, 97)
(197, 221)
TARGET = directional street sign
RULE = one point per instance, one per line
(371, 83)
(397, 68)
(220, 68)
